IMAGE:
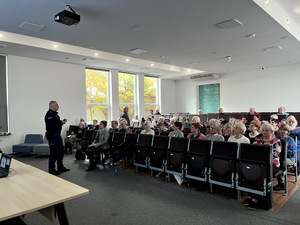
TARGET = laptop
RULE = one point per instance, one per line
(4, 165)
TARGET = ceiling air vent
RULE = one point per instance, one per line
(137, 51)
(230, 24)
(31, 26)
(211, 76)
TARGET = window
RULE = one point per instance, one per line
(3, 96)
(97, 106)
(150, 90)
(127, 93)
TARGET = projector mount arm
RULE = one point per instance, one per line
(69, 8)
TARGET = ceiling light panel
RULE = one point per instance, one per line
(230, 24)
(273, 48)
(31, 26)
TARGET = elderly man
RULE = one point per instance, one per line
(281, 111)
(125, 115)
(251, 112)
(215, 128)
(292, 122)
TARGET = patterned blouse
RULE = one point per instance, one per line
(276, 147)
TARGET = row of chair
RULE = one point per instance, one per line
(243, 167)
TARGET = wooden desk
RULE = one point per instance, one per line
(28, 189)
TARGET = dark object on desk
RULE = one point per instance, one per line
(4, 165)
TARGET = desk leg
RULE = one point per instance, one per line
(56, 214)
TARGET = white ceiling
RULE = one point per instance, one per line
(185, 32)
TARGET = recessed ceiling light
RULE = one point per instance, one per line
(152, 64)
(267, 2)
(127, 60)
(137, 51)
(172, 68)
(273, 48)
(137, 27)
(1, 36)
(163, 57)
(287, 21)
(96, 54)
(189, 70)
(55, 46)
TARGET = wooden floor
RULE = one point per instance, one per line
(278, 198)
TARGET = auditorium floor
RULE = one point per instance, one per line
(131, 198)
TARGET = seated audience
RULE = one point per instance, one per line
(274, 123)
(161, 127)
(281, 111)
(177, 130)
(239, 130)
(162, 120)
(220, 111)
(123, 126)
(147, 129)
(187, 123)
(253, 131)
(151, 112)
(211, 121)
(99, 145)
(114, 126)
(295, 132)
(251, 112)
(95, 125)
(200, 112)
(257, 117)
(273, 116)
(227, 131)
(232, 120)
(215, 128)
(284, 131)
(245, 120)
(157, 112)
(135, 121)
(283, 121)
(75, 136)
(172, 122)
(269, 139)
(151, 121)
(195, 132)
(83, 120)
(195, 119)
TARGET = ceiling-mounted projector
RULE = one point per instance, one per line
(67, 17)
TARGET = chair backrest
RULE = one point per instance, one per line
(118, 137)
(131, 137)
(161, 141)
(88, 134)
(178, 144)
(33, 139)
(255, 152)
(200, 146)
(224, 149)
(73, 128)
(145, 139)
(164, 133)
(283, 155)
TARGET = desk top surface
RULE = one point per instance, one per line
(27, 189)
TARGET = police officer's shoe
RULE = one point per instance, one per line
(54, 172)
(64, 169)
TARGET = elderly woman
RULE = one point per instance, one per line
(172, 122)
(177, 130)
(195, 132)
(221, 111)
(123, 126)
(227, 131)
(215, 129)
(99, 145)
(239, 130)
(253, 134)
(269, 139)
(147, 129)
(195, 119)
(284, 131)
(200, 112)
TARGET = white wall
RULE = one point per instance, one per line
(32, 84)
(168, 100)
(265, 90)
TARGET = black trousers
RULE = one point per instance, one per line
(93, 154)
(56, 152)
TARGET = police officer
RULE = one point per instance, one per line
(53, 129)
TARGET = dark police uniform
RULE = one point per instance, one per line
(53, 129)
